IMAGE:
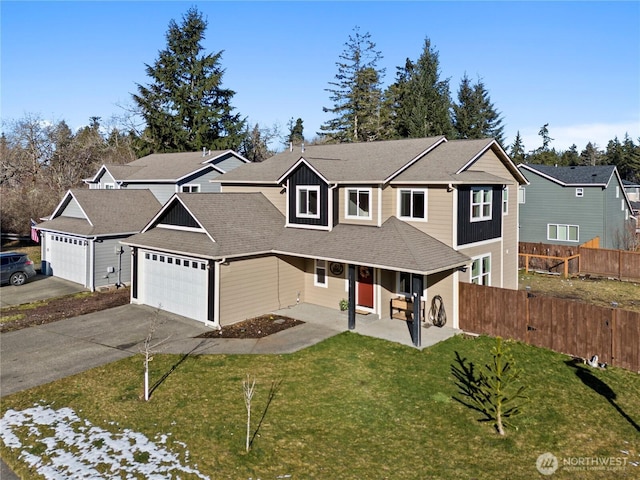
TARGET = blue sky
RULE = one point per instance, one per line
(574, 65)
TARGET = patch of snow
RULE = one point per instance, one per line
(74, 447)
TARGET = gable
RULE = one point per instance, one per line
(178, 216)
(72, 208)
(303, 177)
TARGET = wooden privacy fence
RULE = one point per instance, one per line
(565, 326)
(583, 260)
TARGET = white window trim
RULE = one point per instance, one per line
(307, 188)
(505, 200)
(369, 191)
(479, 258)
(411, 275)
(522, 195)
(579, 192)
(557, 225)
(411, 217)
(109, 186)
(482, 218)
(190, 186)
(320, 265)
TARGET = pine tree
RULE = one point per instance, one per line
(423, 99)
(517, 150)
(591, 155)
(474, 116)
(355, 93)
(625, 156)
(296, 135)
(185, 107)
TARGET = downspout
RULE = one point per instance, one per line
(92, 266)
(330, 202)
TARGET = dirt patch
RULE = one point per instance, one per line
(257, 327)
(22, 316)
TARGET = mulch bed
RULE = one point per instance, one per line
(257, 327)
(62, 307)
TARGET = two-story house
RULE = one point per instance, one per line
(572, 205)
(168, 173)
(80, 240)
(366, 222)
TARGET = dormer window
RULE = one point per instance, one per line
(358, 203)
(308, 201)
(579, 192)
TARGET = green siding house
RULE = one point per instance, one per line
(572, 205)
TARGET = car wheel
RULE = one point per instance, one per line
(18, 278)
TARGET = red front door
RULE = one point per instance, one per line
(365, 287)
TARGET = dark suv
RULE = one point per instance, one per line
(17, 268)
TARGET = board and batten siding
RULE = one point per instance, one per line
(105, 257)
(304, 176)
(275, 194)
(259, 285)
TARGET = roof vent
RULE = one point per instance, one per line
(204, 152)
(303, 147)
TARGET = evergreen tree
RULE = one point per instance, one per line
(185, 107)
(296, 136)
(625, 156)
(474, 116)
(355, 93)
(517, 150)
(591, 155)
(423, 99)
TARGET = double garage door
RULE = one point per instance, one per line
(67, 257)
(173, 283)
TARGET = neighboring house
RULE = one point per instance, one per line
(368, 222)
(572, 205)
(167, 173)
(81, 240)
(633, 193)
(84, 231)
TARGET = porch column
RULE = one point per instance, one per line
(352, 296)
(417, 288)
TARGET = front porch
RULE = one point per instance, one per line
(370, 325)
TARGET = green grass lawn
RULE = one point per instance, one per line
(355, 407)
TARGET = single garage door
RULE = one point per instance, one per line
(67, 257)
(175, 284)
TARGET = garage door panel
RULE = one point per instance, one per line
(67, 257)
(173, 284)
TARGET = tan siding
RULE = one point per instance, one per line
(275, 194)
(342, 208)
(329, 296)
(260, 285)
(389, 209)
(493, 248)
(443, 284)
(490, 163)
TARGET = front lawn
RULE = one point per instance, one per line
(351, 407)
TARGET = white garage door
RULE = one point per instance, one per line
(175, 284)
(67, 257)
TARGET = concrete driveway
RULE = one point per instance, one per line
(39, 287)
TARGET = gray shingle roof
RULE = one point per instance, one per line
(163, 166)
(108, 212)
(346, 162)
(577, 175)
(247, 223)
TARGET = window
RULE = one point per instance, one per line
(505, 200)
(358, 203)
(566, 233)
(481, 270)
(169, 259)
(579, 192)
(321, 273)
(177, 261)
(190, 188)
(481, 204)
(109, 186)
(622, 205)
(412, 204)
(308, 201)
(617, 191)
(521, 194)
(405, 284)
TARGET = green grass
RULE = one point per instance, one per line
(354, 407)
